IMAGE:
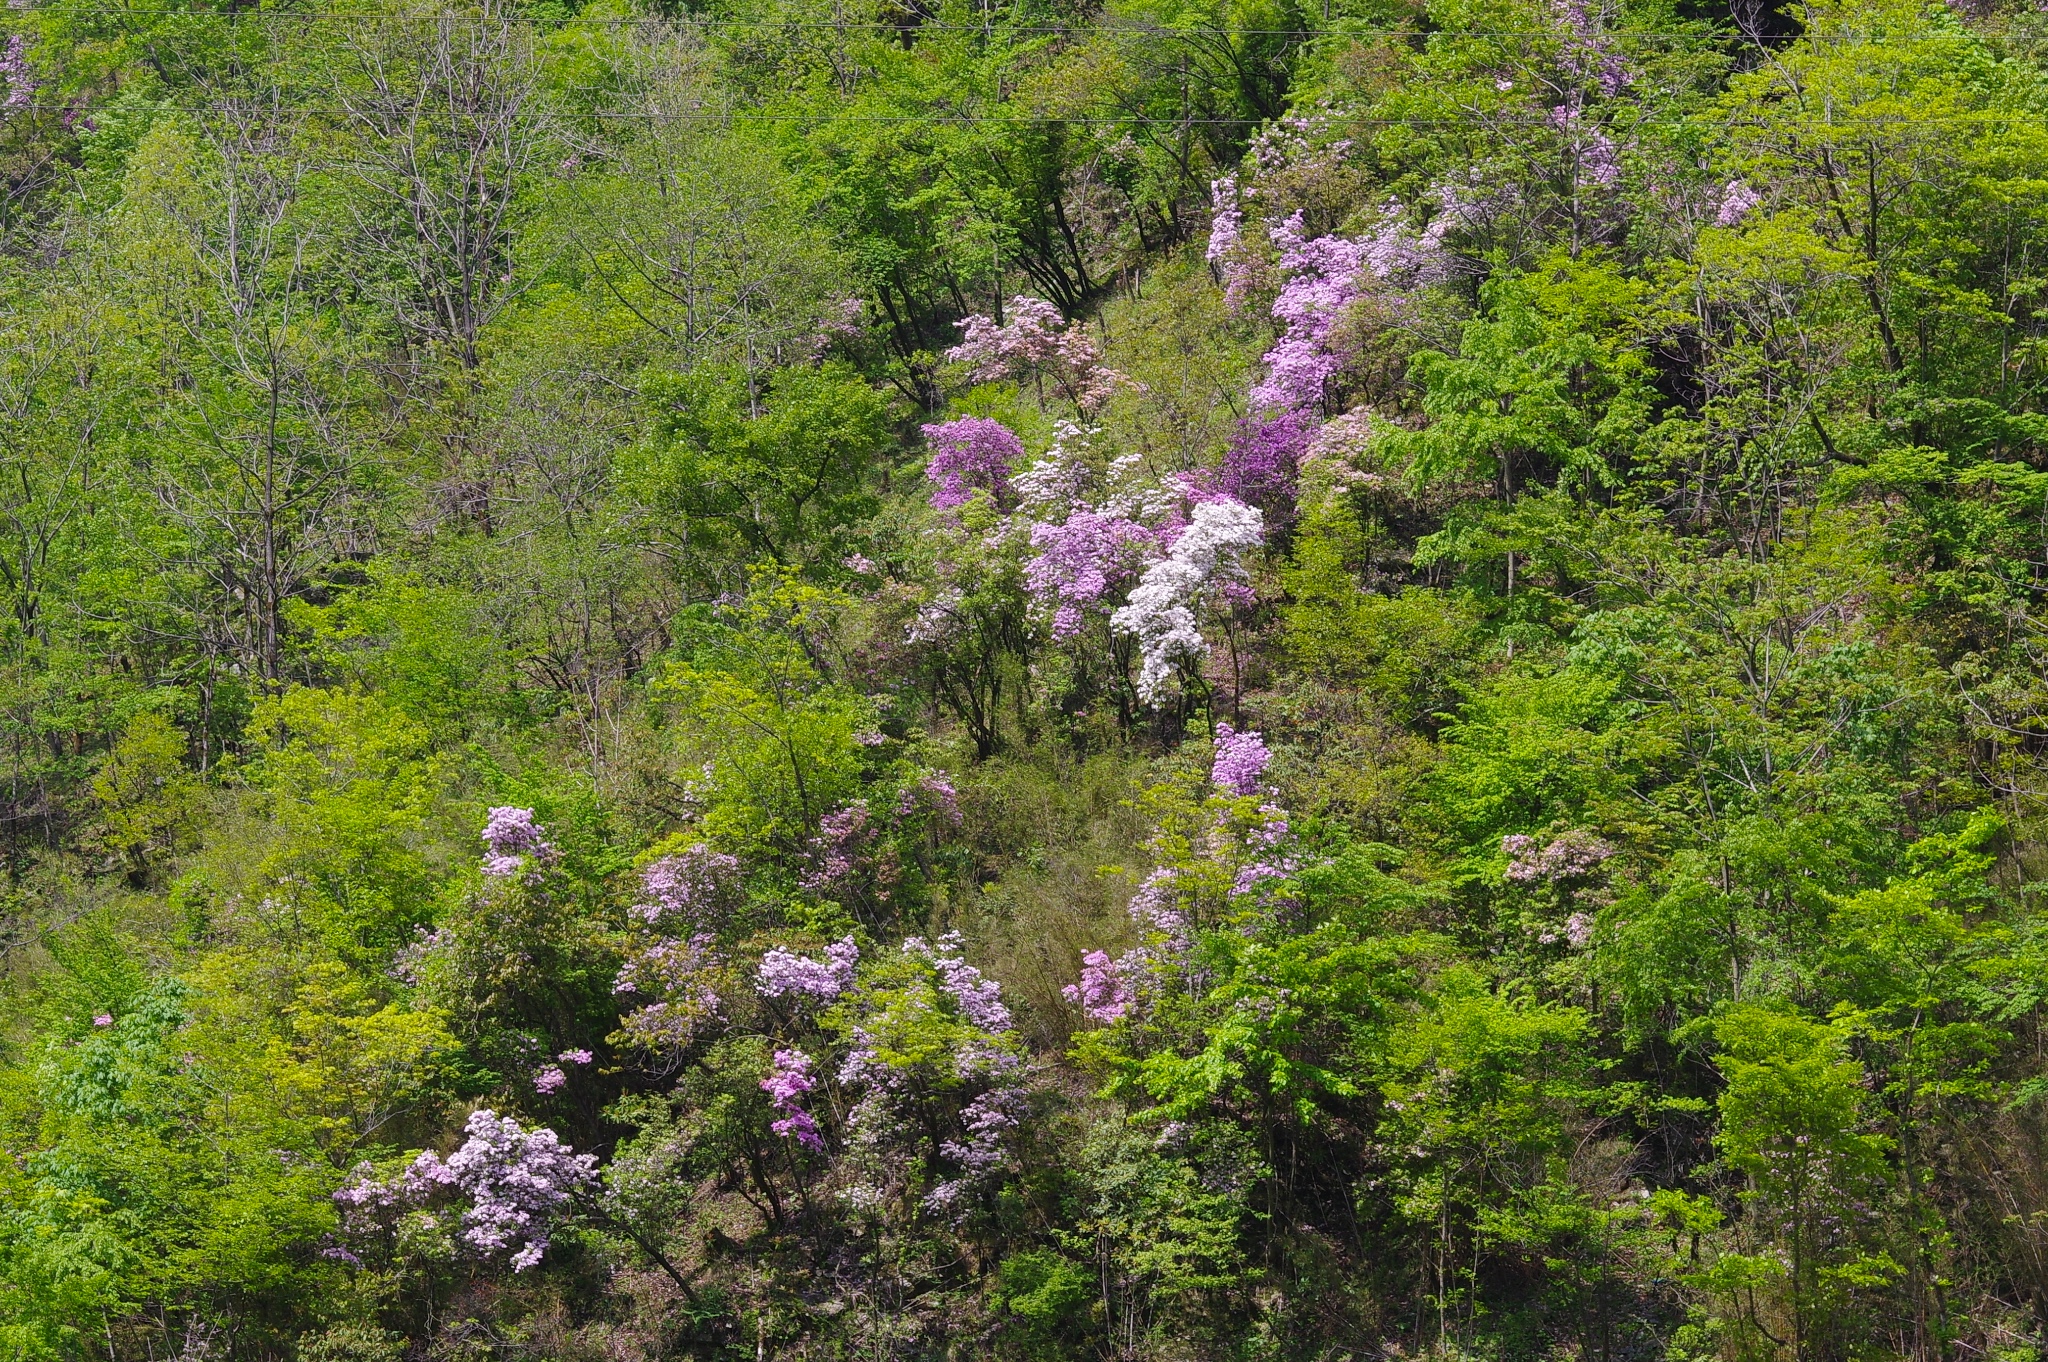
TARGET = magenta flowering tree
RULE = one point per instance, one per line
(969, 454)
(786, 1085)
(507, 1186)
(1240, 759)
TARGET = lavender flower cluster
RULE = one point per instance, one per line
(18, 75)
(785, 1085)
(553, 1077)
(690, 886)
(514, 843)
(1241, 758)
(679, 974)
(516, 1183)
(1322, 280)
(784, 974)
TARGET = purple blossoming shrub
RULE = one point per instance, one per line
(786, 1086)
(516, 936)
(1322, 280)
(864, 850)
(782, 974)
(516, 844)
(695, 887)
(506, 1187)
(1104, 992)
(1081, 561)
(674, 962)
(926, 1032)
(1227, 861)
(969, 454)
(17, 73)
(1240, 759)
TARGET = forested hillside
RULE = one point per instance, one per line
(1152, 681)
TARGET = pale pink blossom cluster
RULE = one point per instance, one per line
(1574, 854)
(1226, 253)
(1226, 219)
(1577, 932)
(1037, 342)
(19, 76)
(987, 1122)
(517, 1183)
(843, 849)
(1594, 157)
(893, 1111)
(1157, 909)
(1396, 252)
(1738, 201)
(979, 999)
(936, 790)
(1590, 50)
(1295, 143)
(409, 962)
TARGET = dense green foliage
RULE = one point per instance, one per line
(1021, 680)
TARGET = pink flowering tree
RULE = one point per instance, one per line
(1564, 882)
(1035, 342)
